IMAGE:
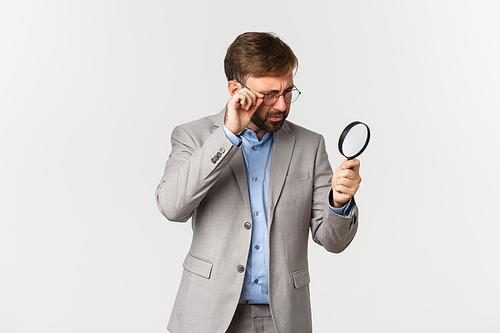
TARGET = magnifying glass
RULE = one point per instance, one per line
(354, 139)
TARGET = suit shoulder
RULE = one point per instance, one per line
(196, 132)
(205, 122)
(303, 133)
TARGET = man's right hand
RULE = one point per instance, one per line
(241, 107)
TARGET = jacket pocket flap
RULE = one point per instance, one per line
(301, 278)
(197, 266)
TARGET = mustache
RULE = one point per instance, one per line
(275, 114)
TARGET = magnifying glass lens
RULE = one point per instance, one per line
(354, 139)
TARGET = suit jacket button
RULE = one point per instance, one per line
(353, 221)
(248, 225)
(240, 268)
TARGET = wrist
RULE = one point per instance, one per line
(334, 203)
(338, 205)
(232, 126)
(235, 132)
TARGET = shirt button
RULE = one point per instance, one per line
(240, 268)
(248, 225)
(249, 133)
(257, 247)
(254, 179)
(256, 281)
(256, 213)
(254, 148)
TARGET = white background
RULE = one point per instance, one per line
(91, 90)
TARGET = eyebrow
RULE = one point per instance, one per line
(275, 90)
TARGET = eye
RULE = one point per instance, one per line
(271, 95)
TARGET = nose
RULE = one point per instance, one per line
(280, 103)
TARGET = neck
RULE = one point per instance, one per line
(259, 132)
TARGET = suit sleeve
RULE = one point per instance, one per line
(191, 170)
(334, 232)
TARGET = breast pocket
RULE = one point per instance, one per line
(297, 177)
(197, 266)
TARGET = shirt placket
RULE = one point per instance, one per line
(256, 170)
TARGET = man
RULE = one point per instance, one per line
(253, 185)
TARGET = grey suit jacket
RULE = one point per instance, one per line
(205, 180)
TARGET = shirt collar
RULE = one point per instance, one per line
(250, 136)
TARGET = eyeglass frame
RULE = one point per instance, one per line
(279, 95)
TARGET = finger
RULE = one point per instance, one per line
(341, 198)
(245, 100)
(258, 102)
(259, 95)
(348, 192)
(348, 182)
(257, 98)
(349, 174)
(351, 164)
(238, 100)
(348, 179)
(254, 95)
(254, 105)
(340, 184)
(339, 169)
(253, 100)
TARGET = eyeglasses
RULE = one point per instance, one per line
(290, 96)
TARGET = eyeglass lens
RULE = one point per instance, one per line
(290, 97)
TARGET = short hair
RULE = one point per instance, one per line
(258, 54)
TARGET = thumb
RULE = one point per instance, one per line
(351, 164)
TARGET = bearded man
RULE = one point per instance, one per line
(254, 185)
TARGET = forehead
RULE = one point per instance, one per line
(270, 83)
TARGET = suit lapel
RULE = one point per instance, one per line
(283, 146)
(237, 164)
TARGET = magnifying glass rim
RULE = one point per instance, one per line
(344, 134)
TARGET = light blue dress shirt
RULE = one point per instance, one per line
(257, 155)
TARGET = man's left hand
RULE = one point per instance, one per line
(345, 182)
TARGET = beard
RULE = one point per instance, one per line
(265, 124)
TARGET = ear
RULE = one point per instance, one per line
(233, 87)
